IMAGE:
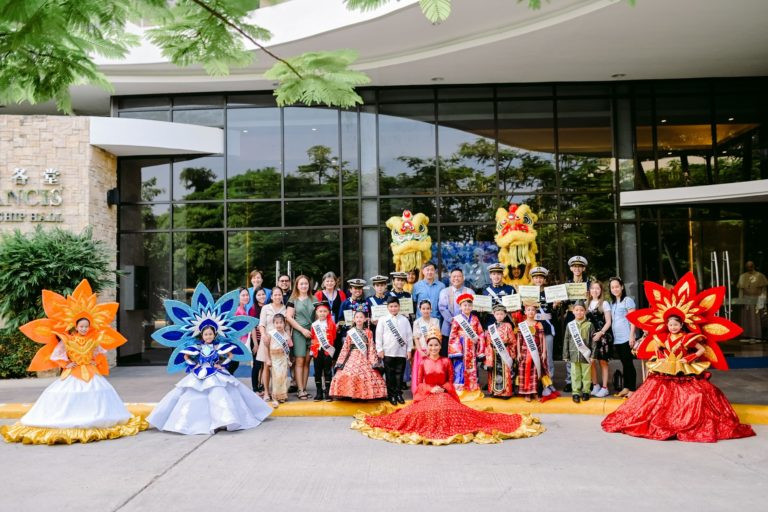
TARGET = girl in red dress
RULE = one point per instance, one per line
(436, 415)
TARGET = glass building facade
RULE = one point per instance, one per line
(314, 186)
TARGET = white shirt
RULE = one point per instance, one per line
(386, 341)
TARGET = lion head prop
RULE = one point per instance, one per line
(516, 239)
(411, 243)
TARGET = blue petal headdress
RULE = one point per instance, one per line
(188, 321)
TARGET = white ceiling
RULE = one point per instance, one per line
(489, 41)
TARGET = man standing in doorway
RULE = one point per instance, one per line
(752, 291)
(448, 307)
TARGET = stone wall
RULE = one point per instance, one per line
(39, 143)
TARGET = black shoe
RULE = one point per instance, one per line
(293, 388)
(319, 395)
(576, 398)
(393, 400)
(260, 389)
(585, 397)
(400, 399)
(328, 397)
(567, 388)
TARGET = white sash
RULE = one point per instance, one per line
(322, 337)
(393, 329)
(424, 331)
(531, 343)
(358, 340)
(496, 298)
(578, 340)
(466, 327)
(498, 344)
(282, 341)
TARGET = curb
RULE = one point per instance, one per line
(752, 414)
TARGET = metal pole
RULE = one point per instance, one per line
(715, 270)
(277, 271)
(290, 274)
(727, 279)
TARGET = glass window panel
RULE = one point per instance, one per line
(350, 211)
(152, 115)
(144, 179)
(684, 141)
(394, 95)
(464, 93)
(148, 102)
(466, 209)
(198, 215)
(251, 100)
(254, 161)
(350, 168)
(585, 144)
(582, 90)
(198, 257)
(211, 101)
(322, 212)
(407, 149)
(543, 205)
(587, 206)
(351, 254)
(526, 146)
(144, 216)
(549, 254)
(371, 253)
(251, 250)
(681, 87)
(253, 215)
(213, 118)
(467, 148)
(368, 155)
(524, 91)
(742, 154)
(311, 152)
(600, 250)
(370, 213)
(393, 207)
(470, 248)
(313, 252)
(645, 167)
(199, 178)
(147, 257)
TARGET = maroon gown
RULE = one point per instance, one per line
(440, 418)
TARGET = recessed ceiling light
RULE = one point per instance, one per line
(245, 131)
(437, 79)
(669, 152)
(618, 75)
(663, 120)
(314, 129)
(730, 119)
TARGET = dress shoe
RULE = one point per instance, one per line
(393, 400)
(400, 399)
(567, 388)
(584, 397)
(576, 398)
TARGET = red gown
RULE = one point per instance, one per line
(677, 401)
(440, 418)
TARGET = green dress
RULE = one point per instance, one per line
(303, 313)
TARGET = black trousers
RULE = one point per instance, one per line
(394, 368)
(255, 382)
(624, 353)
(323, 366)
(444, 347)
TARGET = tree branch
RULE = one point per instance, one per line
(244, 34)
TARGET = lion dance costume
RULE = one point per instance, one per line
(80, 406)
(678, 400)
(516, 239)
(411, 244)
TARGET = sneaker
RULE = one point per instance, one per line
(602, 393)
(595, 389)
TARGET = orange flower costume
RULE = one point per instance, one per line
(80, 406)
(678, 400)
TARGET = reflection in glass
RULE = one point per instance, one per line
(742, 154)
(368, 142)
(350, 169)
(543, 205)
(134, 217)
(549, 255)
(198, 257)
(253, 215)
(407, 149)
(311, 152)
(684, 140)
(144, 179)
(467, 209)
(210, 101)
(351, 254)
(254, 139)
(213, 117)
(585, 143)
(350, 211)
(645, 161)
(600, 250)
(198, 215)
(393, 207)
(199, 178)
(321, 212)
(575, 207)
(151, 115)
(470, 248)
(313, 252)
(526, 146)
(467, 149)
(249, 250)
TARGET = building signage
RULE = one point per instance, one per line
(49, 194)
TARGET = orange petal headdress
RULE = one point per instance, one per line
(62, 315)
(698, 312)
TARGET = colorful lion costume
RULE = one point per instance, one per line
(678, 400)
(411, 244)
(80, 406)
(516, 239)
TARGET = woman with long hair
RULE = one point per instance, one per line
(623, 334)
(299, 314)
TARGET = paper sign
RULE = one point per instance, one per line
(349, 316)
(576, 291)
(556, 293)
(379, 311)
(529, 292)
(482, 303)
(406, 306)
(512, 302)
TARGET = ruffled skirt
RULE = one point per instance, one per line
(439, 419)
(197, 406)
(687, 408)
(358, 379)
(72, 410)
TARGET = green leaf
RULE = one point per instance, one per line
(364, 5)
(436, 10)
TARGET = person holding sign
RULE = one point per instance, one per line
(421, 327)
(465, 342)
(406, 309)
(531, 353)
(578, 348)
(500, 354)
(323, 338)
(578, 267)
(437, 417)
(497, 289)
(355, 376)
(546, 314)
(355, 302)
(394, 340)
(379, 297)
(278, 358)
